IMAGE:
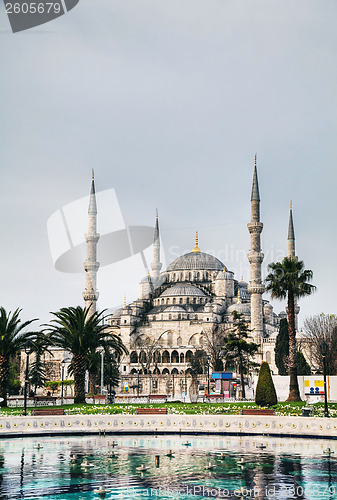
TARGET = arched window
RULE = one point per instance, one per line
(188, 356)
(174, 371)
(163, 301)
(167, 301)
(189, 276)
(174, 357)
(156, 371)
(180, 301)
(170, 317)
(194, 300)
(165, 371)
(182, 358)
(174, 301)
(187, 300)
(179, 341)
(169, 338)
(165, 357)
(133, 357)
(179, 316)
(133, 371)
(142, 357)
(196, 276)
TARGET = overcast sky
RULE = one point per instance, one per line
(169, 102)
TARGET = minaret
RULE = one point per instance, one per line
(292, 254)
(291, 234)
(156, 264)
(91, 265)
(255, 257)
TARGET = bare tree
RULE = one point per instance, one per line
(323, 328)
(214, 336)
(149, 353)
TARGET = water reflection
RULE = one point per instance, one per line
(211, 467)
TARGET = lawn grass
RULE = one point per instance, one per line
(284, 408)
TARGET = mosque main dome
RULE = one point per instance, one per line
(196, 261)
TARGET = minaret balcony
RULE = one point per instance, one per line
(92, 237)
(90, 295)
(255, 227)
(255, 257)
(91, 266)
(256, 288)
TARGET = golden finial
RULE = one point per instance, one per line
(196, 248)
(156, 213)
(148, 273)
(241, 278)
(239, 297)
(124, 301)
(291, 205)
(255, 160)
(93, 174)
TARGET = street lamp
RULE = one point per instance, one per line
(63, 362)
(208, 362)
(324, 352)
(28, 351)
(102, 371)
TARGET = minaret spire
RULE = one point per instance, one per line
(91, 265)
(292, 254)
(156, 264)
(291, 234)
(255, 257)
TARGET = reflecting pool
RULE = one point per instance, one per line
(174, 467)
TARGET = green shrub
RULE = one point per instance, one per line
(265, 394)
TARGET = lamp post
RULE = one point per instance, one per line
(208, 362)
(102, 372)
(138, 373)
(28, 351)
(324, 352)
(62, 379)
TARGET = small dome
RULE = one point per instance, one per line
(174, 309)
(148, 279)
(240, 308)
(187, 289)
(196, 261)
(118, 313)
(268, 306)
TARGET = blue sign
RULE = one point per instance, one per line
(222, 375)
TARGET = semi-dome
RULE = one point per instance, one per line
(183, 290)
(174, 309)
(196, 261)
(240, 308)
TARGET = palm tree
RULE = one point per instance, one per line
(289, 280)
(12, 339)
(75, 331)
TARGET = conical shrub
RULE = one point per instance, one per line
(265, 394)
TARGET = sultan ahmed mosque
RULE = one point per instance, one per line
(180, 308)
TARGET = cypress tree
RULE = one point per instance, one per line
(282, 348)
(265, 394)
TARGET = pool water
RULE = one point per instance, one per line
(69, 468)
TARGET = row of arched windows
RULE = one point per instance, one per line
(190, 276)
(181, 300)
(165, 371)
(161, 357)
